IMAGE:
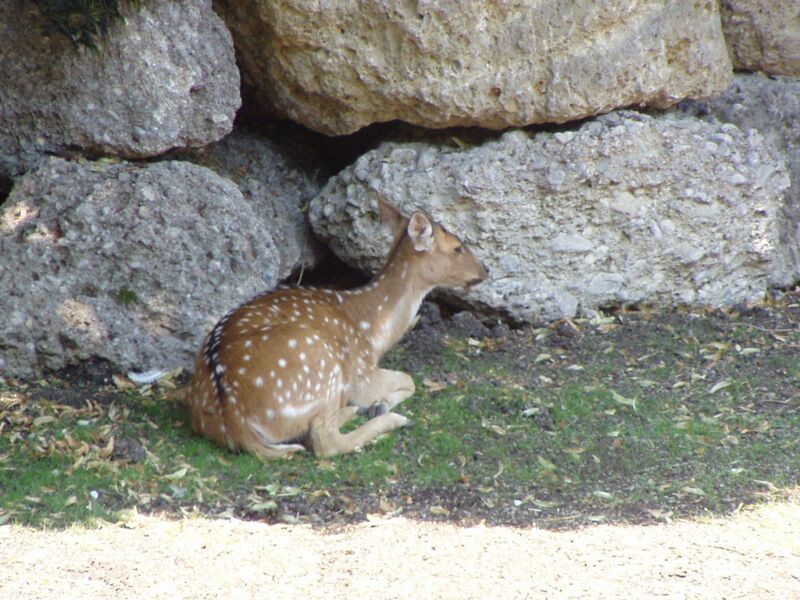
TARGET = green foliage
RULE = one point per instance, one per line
(81, 21)
(126, 296)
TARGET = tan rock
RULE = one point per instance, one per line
(763, 35)
(337, 66)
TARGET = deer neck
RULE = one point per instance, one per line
(385, 307)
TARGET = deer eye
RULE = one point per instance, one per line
(458, 249)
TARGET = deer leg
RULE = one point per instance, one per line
(382, 386)
(346, 414)
(328, 441)
(273, 451)
(325, 438)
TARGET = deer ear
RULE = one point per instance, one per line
(392, 220)
(420, 231)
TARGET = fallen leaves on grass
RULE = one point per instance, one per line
(494, 428)
(620, 399)
(720, 385)
(433, 386)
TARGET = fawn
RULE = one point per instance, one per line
(289, 368)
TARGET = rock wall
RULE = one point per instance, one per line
(278, 188)
(625, 209)
(772, 107)
(763, 35)
(163, 78)
(132, 257)
(132, 264)
(338, 66)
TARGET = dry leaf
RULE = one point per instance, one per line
(659, 514)
(545, 464)
(496, 429)
(500, 469)
(543, 503)
(122, 383)
(179, 474)
(266, 506)
(721, 385)
(439, 511)
(620, 399)
(767, 484)
(433, 386)
(573, 450)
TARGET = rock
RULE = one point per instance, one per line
(772, 106)
(663, 211)
(338, 66)
(131, 264)
(278, 187)
(763, 35)
(164, 78)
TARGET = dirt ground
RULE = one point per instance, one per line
(754, 554)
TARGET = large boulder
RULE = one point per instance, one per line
(279, 187)
(132, 264)
(164, 78)
(338, 66)
(772, 106)
(625, 209)
(763, 35)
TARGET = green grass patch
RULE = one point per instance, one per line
(613, 425)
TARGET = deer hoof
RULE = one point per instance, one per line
(376, 410)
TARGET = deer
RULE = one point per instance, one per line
(285, 371)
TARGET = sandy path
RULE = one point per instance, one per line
(753, 555)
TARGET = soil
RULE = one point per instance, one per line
(751, 555)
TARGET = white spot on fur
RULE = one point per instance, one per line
(296, 411)
(281, 362)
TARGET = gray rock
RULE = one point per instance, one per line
(127, 263)
(164, 78)
(278, 186)
(763, 35)
(771, 106)
(337, 66)
(663, 211)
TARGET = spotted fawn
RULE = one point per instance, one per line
(286, 370)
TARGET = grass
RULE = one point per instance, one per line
(616, 426)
